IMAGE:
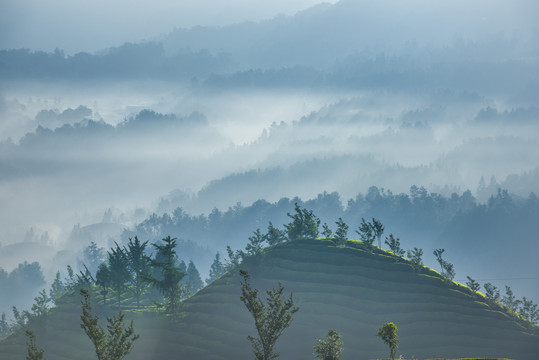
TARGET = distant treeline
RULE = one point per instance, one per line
(142, 60)
(419, 216)
(149, 60)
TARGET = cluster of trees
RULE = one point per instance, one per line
(524, 307)
(128, 276)
(127, 61)
(419, 214)
(20, 282)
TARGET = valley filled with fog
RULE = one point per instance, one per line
(212, 119)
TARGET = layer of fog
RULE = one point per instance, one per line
(223, 148)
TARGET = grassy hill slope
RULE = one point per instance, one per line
(347, 289)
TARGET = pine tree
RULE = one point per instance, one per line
(115, 344)
(341, 234)
(415, 257)
(40, 306)
(326, 231)
(254, 246)
(193, 278)
(275, 236)
(217, 269)
(271, 318)
(5, 329)
(510, 300)
(33, 352)
(118, 265)
(377, 230)
(365, 232)
(304, 225)
(329, 349)
(57, 288)
(103, 279)
(394, 245)
(491, 292)
(138, 265)
(472, 284)
(169, 275)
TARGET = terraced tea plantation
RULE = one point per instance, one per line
(344, 288)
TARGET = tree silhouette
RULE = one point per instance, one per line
(115, 344)
(329, 349)
(388, 334)
(169, 275)
(138, 264)
(270, 319)
(304, 225)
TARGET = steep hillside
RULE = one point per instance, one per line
(347, 289)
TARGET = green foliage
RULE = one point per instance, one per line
(115, 344)
(510, 300)
(341, 234)
(103, 279)
(217, 269)
(93, 256)
(326, 231)
(365, 232)
(168, 278)
(415, 255)
(5, 329)
(529, 310)
(270, 319)
(275, 236)
(57, 288)
(472, 284)
(139, 266)
(33, 352)
(234, 258)
(491, 292)
(448, 270)
(388, 334)
(304, 225)
(20, 317)
(377, 230)
(40, 306)
(329, 349)
(394, 245)
(193, 279)
(118, 264)
(255, 244)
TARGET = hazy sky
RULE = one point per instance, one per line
(90, 25)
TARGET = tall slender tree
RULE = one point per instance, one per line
(365, 233)
(217, 269)
(341, 234)
(168, 277)
(394, 245)
(119, 271)
(114, 344)
(103, 279)
(271, 318)
(138, 265)
(377, 230)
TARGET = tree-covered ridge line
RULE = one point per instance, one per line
(304, 227)
(427, 213)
